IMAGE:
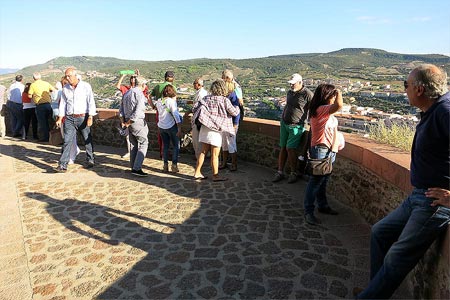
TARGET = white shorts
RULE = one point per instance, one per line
(229, 142)
(210, 137)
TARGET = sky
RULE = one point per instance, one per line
(34, 32)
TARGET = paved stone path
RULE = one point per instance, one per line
(102, 233)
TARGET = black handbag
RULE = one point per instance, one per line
(321, 166)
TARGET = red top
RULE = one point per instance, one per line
(124, 88)
(323, 127)
(25, 98)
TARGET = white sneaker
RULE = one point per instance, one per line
(71, 162)
(126, 155)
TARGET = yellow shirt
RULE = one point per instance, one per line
(40, 91)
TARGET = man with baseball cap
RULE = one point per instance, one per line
(292, 125)
(157, 93)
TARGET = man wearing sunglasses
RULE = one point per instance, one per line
(400, 240)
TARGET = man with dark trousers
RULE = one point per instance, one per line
(400, 240)
(157, 93)
(15, 106)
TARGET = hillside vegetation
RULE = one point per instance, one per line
(255, 74)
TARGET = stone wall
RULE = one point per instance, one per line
(105, 130)
(371, 178)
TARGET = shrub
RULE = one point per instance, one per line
(400, 136)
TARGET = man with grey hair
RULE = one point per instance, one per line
(132, 114)
(77, 105)
(400, 239)
(200, 92)
(15, 106)
(2, 110)
(292, 127)
(40, 92)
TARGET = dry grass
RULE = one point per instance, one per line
(400, 136)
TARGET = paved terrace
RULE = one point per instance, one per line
(102, 233)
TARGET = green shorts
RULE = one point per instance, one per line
(290, 135)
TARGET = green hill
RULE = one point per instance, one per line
(255, 74)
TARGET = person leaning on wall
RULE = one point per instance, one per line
(400, 240)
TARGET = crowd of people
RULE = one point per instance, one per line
(308, 128)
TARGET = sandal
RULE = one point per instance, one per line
(201, 178)
(218, 178)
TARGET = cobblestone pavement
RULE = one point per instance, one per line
(102, 233)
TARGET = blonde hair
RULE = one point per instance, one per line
(227, 74)
(230, 87)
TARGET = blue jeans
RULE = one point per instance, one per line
(170, 135)
(139, 143)
(71, 125)
(44, 113)
(16, 117)
(399, 241)
(317, 184)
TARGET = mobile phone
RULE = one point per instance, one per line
(442, 213)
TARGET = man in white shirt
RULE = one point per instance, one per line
(15, 106)
(77, 105)
(3, 111)
(199, 94)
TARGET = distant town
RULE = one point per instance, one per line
(352, 117)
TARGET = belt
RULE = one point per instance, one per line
(77, 115)
(42, 103)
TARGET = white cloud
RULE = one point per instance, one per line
(370, 20)
(421, 19)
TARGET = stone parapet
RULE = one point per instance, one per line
(371, 178)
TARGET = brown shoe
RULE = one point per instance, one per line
(356, 291)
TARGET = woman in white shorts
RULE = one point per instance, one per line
(229, 144)
(213, 114)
